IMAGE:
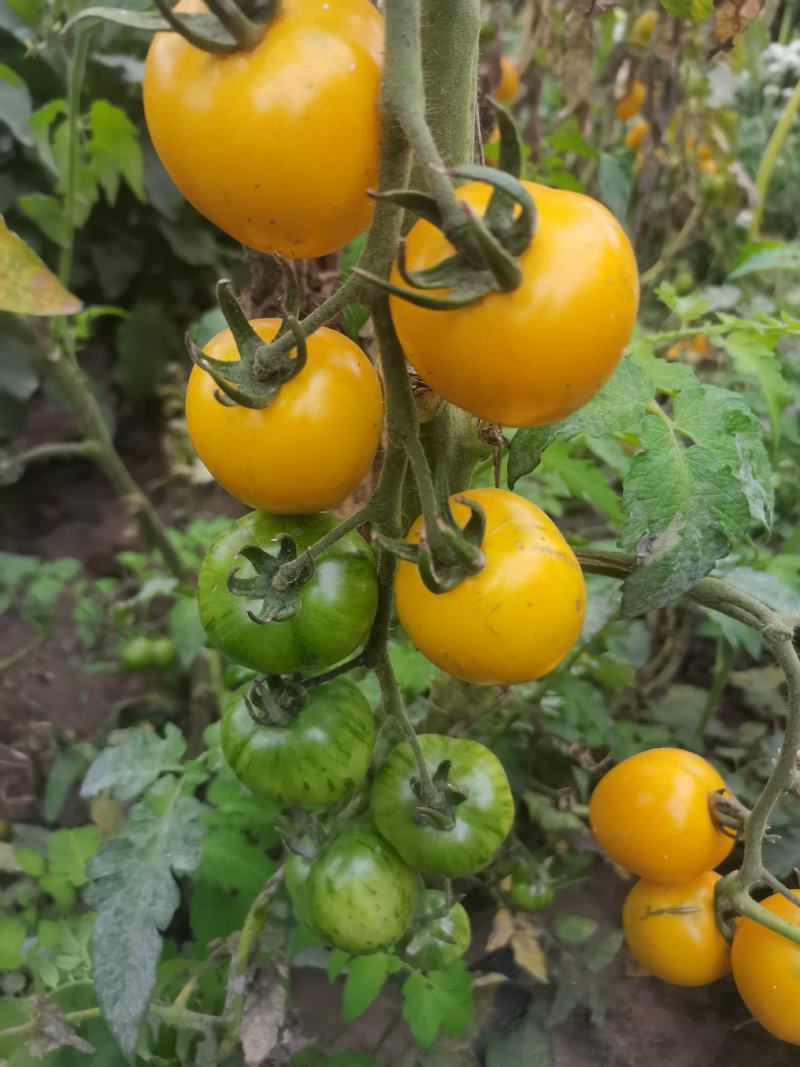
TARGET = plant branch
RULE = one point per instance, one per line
(77, 67)
(769, 160)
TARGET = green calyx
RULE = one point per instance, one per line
(487, 247)
(278, 589)
(275, 700)
(255, 379)
(447, 553)
(438, 811)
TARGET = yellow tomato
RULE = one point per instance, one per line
(535, 355)
(516, 619)
(631, 103)
(311, 446)
(766, 969)
(671, 930)
(651, 815)
(643, 28)
(635, 135)
(279, 143)
(508, 86)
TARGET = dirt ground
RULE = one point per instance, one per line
(65, 508)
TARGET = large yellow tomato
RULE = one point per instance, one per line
(277, 144)
(537, 354)
(766, 969)
(311, 446)
(508, 86)
(651, 815)
(671, 930)
(516, 619)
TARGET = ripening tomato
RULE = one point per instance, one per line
(508, 86)
(318, 757)
(643, 28)
(535, 355)
(311, 446)
(636, 134)
(671, 930)
(439, 936)
(359, 895)
(276, 144)
(516, 619)
(651, 815)
(337, 605)
(631, 103)
(482, 819)
(766, 969)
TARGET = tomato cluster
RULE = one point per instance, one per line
(282, 591)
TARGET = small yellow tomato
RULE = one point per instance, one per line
(672, 931)
(517, 618)
(508, 86)
(766, 969)
(636, 134)
(534, 355)
(643, 28)
(651, 815)
(279, 143)
(311, 446)
(630, 103)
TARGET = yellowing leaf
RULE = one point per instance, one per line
(27, 286)
(521, 934)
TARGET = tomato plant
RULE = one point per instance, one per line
(530, 890)
(279, 458)
(336, 606)
(766, 969)
(476, 788)
(300, 189)
(318, 755)
(359, 895)
(672, 930)
(518, 617)
(651, 815)
(561, 332)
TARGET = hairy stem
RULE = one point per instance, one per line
(77, 67)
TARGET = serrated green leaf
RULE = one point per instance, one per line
(12, 938)
(754, 358)
(440, 1000)
(574, 928)
(683, 509)
(186, 629)
(684, 308)
(617, 408)
(337, 961)
(115, 150)
(583, 479)
(599, 953)
(48, 214)
(666, 377)
(365, 980)
(774, 256)
(68, 852)
(765, 586)
(15, 104)
(127, 769)
(135, 894)
(230, 861)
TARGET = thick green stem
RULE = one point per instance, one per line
(72, 384)
(769, 160)
(393, 705)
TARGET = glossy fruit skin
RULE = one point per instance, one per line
(441, 939)
(508, 86)
(337, 605)
(311, 446)
(530, 893)
(682, 948)
(516, 619)
(650, 814)
(535, 355)
(256, 141)
(361, 894)
(319, 758)
(636, 134)
(766, 970)
(631, 103)
(145, 653)
(482, 821)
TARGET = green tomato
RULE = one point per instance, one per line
(362, 895)
(336, 609)
(139, 653)
(319, 757)
(163, 652)
(440, 937)
(482, 819)
(530, 892)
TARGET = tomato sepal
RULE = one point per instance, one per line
(280, 599)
